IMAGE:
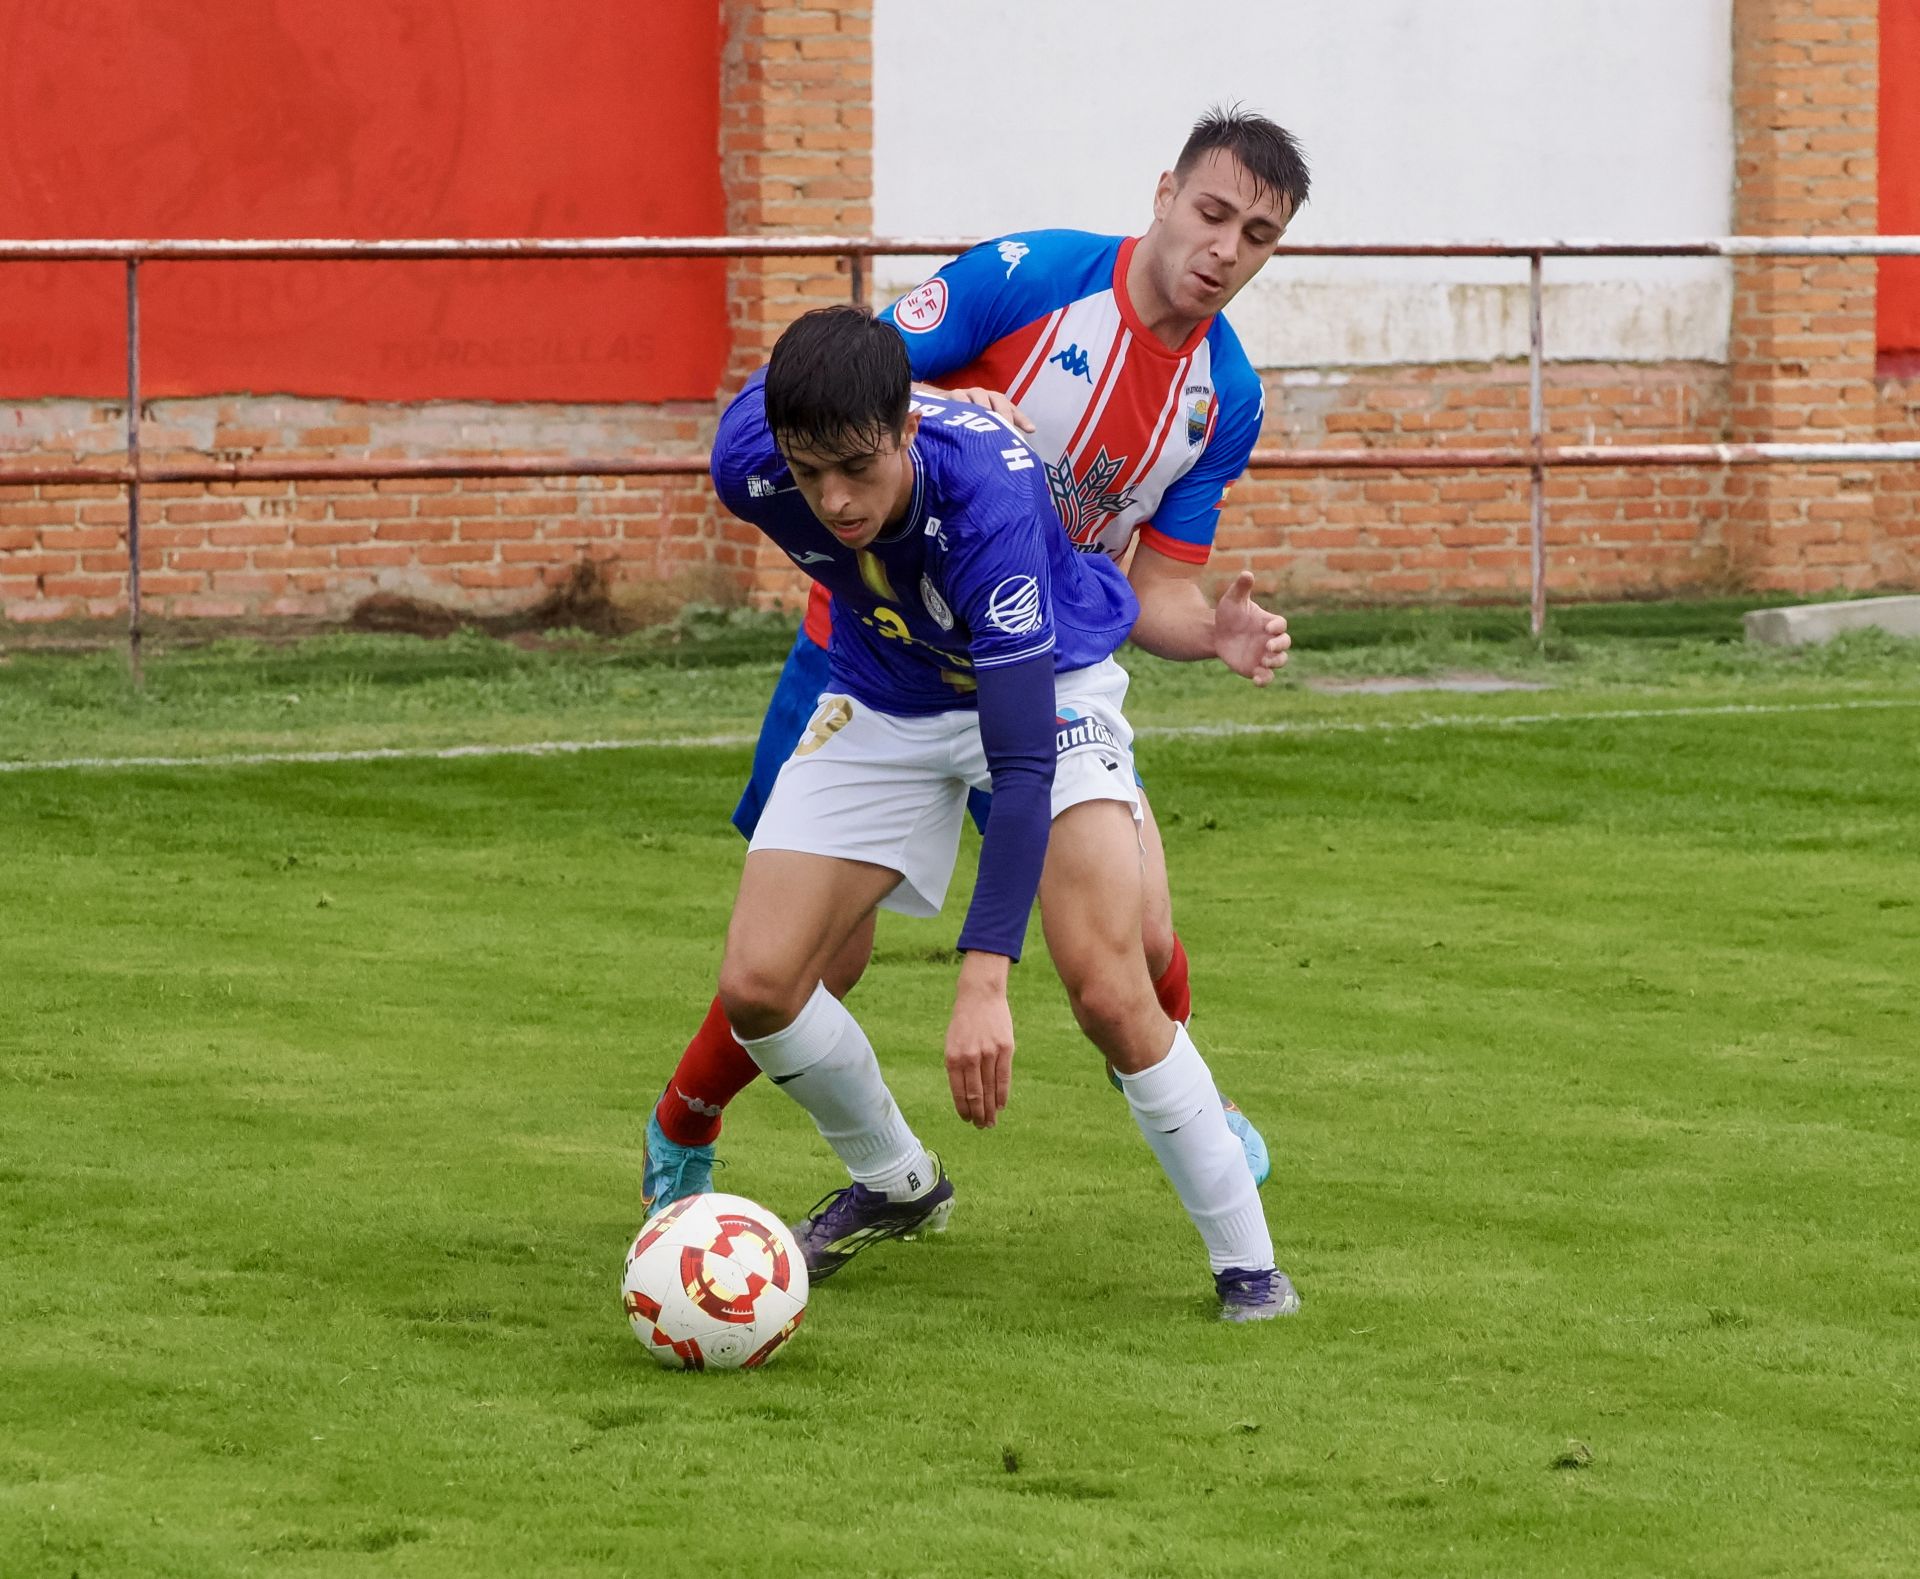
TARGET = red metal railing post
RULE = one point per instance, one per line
(133, 472)
(857, 269)
(1536, 427)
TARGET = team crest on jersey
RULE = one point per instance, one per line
(923, 307)
(936, 605)
(1198, 411)
(1087, 503)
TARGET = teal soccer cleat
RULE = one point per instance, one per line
(669, 1171)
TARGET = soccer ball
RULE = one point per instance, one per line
(714, 1282)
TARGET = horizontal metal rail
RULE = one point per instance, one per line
(1511, 458)
(157, 250)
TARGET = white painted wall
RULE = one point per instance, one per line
(1422, 119)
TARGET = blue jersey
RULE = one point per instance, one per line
(976, 575)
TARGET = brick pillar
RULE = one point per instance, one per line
(1805, 98)
(796, 153)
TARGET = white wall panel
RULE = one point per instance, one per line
(1423, 119)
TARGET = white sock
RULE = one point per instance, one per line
(1178, 1110)
(826, 1064)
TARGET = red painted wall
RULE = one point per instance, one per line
(363, 118)
(1899, 315)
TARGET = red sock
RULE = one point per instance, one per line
(1172, 989)
(711, 1073)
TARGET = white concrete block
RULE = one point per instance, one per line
(1817, 622)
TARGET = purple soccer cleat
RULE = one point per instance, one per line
(1255, 1296)
(844, 1223)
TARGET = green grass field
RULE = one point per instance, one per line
(1581, 1021)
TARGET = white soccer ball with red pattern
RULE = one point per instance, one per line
(714, 1283)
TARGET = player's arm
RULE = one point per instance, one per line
(1177, 622)
(990, 291)
(743, 444)
(1016, 733)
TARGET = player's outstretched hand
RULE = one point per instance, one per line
(994, 401)
(980, 1041)
(1248, 639)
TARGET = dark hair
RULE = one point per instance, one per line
(1270, 153)
(838, 382)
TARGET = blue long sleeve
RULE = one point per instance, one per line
(1017, 733)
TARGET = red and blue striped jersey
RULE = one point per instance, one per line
(1137, 436)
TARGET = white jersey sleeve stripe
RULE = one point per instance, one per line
(1001, 659)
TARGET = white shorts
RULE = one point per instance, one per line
(891, 789)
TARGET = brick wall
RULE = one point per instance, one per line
(1896, 560)
(795, 140)
(1801, 367)
(1434, 535)
(315, 549)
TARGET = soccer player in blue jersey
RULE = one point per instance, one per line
(1145, 409)
(971, 648)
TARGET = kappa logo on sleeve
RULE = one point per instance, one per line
(923, 307)
(1014, 606)
(1011, 252)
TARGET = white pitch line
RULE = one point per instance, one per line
(1305, 726)
(247, 759)
(1502, 720)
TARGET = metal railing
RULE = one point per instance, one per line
(1536, 456)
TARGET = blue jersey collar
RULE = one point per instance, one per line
(916, 505)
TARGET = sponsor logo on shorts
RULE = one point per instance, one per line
(832, 715)
(1014, 606)
(923, 307)
(1074, 730)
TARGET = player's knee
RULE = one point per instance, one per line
(758, 998)
(1109, 1005)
